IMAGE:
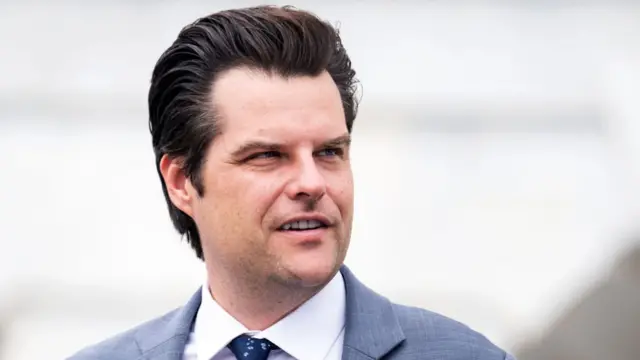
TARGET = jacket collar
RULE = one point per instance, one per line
(372, 328)
(168, 340)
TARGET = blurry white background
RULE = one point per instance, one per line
(496, 158)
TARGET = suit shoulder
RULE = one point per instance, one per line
(123, 345)
(454, 338)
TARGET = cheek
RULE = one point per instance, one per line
(341, 189)
(219, 211)
(246, 196)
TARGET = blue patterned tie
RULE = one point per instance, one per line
(247, 348)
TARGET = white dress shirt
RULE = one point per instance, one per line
(314, 331)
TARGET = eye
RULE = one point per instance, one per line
(265, 155)
(331, 152)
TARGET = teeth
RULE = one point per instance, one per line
(302, 225)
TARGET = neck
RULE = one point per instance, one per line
(257, 304)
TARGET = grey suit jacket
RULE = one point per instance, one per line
(375, 329)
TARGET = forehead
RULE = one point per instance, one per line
(253, 103)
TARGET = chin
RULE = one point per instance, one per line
(310, 272)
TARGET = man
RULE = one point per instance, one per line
(251, 112)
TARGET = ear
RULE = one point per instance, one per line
(179, 187)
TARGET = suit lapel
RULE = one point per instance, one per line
(167, 342)
(372, 327)
(353, 354)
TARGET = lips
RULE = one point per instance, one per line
(305, 223)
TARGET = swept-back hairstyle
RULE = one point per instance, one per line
(279, 40)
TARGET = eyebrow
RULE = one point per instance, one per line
(254, 145)
(340, 141)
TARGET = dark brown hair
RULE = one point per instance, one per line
(279, 40)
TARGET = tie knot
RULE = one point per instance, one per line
(248, 348)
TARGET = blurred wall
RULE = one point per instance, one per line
(495, 159)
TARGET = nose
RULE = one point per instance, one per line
(307, 182)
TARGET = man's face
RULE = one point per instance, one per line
(278, 186)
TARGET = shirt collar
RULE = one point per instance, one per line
(306, 333)
(213, 328)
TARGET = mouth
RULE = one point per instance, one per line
(306, 224)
